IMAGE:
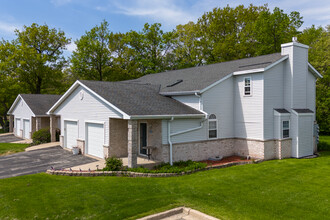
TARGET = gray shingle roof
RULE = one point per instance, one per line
(303, 110)
(138, 99)
(281, 110)
(40, 103)
(198, 78)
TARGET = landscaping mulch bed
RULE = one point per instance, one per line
(226, 160)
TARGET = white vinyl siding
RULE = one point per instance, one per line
(249, 116)
(273, 98)
(311, 92)
(219, 100)
(184, 124)
(88, 108)
(305, 132)
(94, 139)
(21, 111)
(190, 100)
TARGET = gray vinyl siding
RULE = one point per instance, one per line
(294, 133)
(89, 108)
(219, 100)
(22, 111)
(190, 100)
(311, 92)
(178, 125)
(248, 110)
(305, 133)
(273, 97)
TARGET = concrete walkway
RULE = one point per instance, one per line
(43, 146)
(100, 164)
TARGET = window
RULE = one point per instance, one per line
(285, 129)
(212, 126)
(247, 86)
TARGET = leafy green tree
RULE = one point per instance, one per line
(319, 57)
(10, 85)
(92, 60)
(39, 56)
(275, 28)
(151, 48)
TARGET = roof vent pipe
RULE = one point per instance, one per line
(294, 39)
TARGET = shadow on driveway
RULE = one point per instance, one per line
(39, 161)
(9, 138)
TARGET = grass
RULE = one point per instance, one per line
(324, 143)
(9, 148)
(277, 189)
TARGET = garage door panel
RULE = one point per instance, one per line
(95, 139)
(26, 129)
(71, 134)
(18, 127)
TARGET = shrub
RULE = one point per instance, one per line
(113, 164)
(41, 136)
(323, 146)
(178, 167)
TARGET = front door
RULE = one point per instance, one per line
(143, 138)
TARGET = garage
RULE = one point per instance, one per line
(18, 127)
(95, 139)
(71, 133)
(26, 128)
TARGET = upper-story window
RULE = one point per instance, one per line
(213, 124)
(247, 86)
(285, 129)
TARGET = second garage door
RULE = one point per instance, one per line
(71, 133)
(18, 127)
(26, 128)
(95, 139)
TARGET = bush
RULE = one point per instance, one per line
(113, 164)
(323, 146)
(40, 137)
(178, 167)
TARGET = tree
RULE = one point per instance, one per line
(152, 48)
(274, 29)
(92, 60)
(10, 86)
(39, 57)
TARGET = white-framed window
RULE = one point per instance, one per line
(213, 126)
(247, 86)
(285, 129)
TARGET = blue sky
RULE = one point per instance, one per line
(75, 17)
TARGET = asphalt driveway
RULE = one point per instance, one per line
(8, 138)
(38, 161)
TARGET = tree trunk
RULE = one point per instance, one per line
(38, 86)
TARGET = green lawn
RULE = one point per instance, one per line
(278, 189)
(8, 148)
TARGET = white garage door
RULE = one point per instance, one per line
(26, 129)
(95, 139)
(18, 127)
(71, 133)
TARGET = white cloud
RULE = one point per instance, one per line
(167, 12)
(71, 47)
(60, 2)
(9, 28)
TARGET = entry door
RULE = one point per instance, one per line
(143, 138)
(26, 129)
(71, 133)
(18, 127)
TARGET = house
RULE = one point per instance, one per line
(28, 114)
(263, 107)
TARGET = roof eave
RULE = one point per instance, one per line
(179, 93)
(186, 116)
(313, 70)
(15, 103)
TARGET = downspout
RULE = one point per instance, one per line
(169, 139)
(200, 100)
(169, 135)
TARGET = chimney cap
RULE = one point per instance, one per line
(294, 39)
